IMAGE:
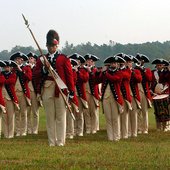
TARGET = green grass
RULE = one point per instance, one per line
(88, 152)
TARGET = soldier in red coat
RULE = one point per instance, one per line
(24, 75)
(53, 102)
(33, 110)
(2, 101)
(11, 100)
(91, 114)
(82, 78)
(74, 104)
(145, 95)
(111, 96)
(135, 79)
(125, 90)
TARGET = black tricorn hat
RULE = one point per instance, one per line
(114, 59)
(18, 54)
(77, 57)
(2, 63)
(10, 63)
(120, 55)
(52, 38)
(160, 61)
(142, 57)
(73, 62)
(91, 56)
(131, 58)
(31, 54)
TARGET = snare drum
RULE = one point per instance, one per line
(161, 103)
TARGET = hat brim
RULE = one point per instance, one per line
(74, 62)
(31, 54)
(73, 56)
(114, 59)
(78, 57)
(160, 61)
(19, 55)
(142, 57)
(94, 58)
(2, 64)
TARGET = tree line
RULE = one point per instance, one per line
(151, 49)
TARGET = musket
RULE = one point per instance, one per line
(58, 81)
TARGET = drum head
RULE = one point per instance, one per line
(158, 89)
(162, 96)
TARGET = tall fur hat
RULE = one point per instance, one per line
(52, 37)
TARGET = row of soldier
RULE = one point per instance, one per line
(125, 93)
(18, 99)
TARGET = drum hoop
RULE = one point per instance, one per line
(162, 96)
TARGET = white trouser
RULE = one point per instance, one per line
(112, 118)
(9, 119)
(21, 115)
(55, 110)
(33, 115)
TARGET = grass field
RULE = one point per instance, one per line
(150, 151)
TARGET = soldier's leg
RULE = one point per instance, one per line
(50, 119)
(11, 117)
(108, 117)
(23, 110)
(35, 113)
(87, 115)
(133, 119)
(29, 119)
(145, 115)
(115, 117)
(70, 125)
(124, 122)
(80, 119)
(60, 113)
(94, 116)
(18, 115)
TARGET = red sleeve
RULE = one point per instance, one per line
(116, 77)
(27, 73)
(148, 74)
(137, 76)
(37, 76)
(2, 79)
(69, 75)
(11, 80)
(83, 75)
(126, 74)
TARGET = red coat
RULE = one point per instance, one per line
(146, 81)
(2, 81)
(82, 78)
(10, 85)
(136, 78)
(62, 66)
(94, 88)
(114, 80)
(75, 100)
(125, 85)
(24, 77)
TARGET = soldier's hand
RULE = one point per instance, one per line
(104, 68)
(19, 68)
(46, 64)
(39, 99)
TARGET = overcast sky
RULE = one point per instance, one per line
(80, 21)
